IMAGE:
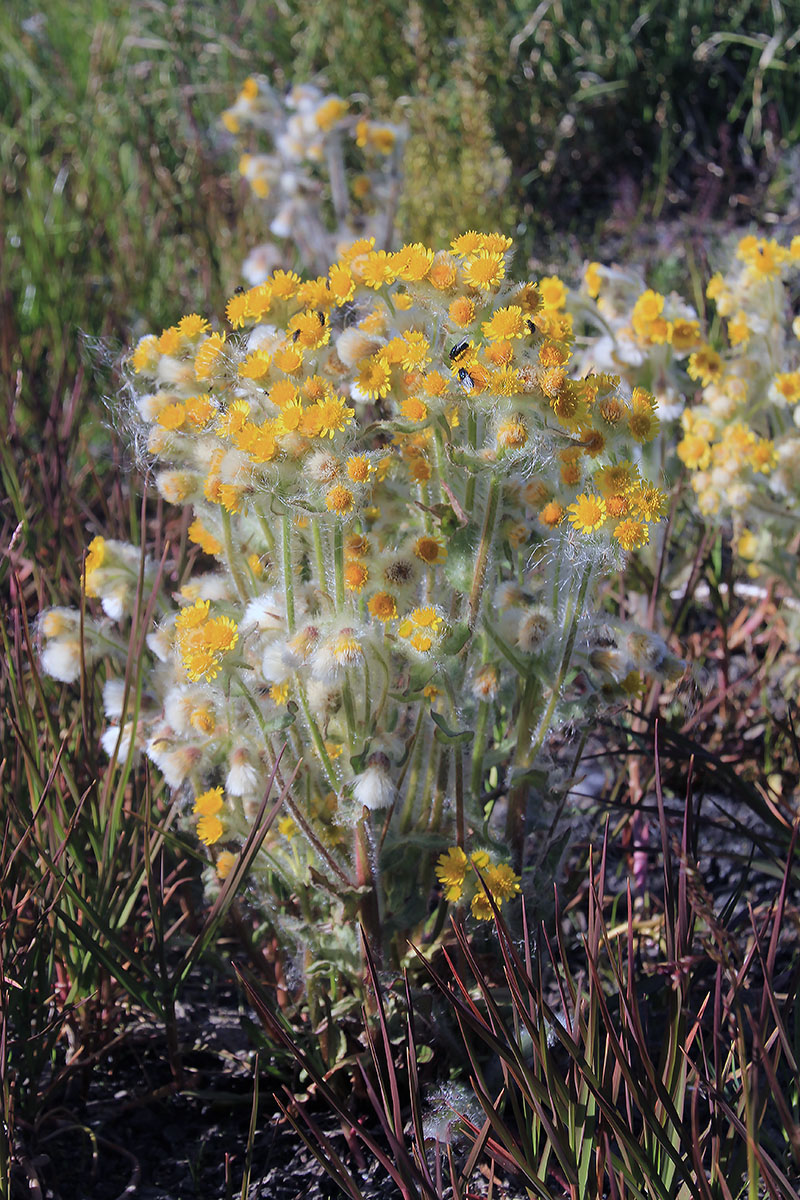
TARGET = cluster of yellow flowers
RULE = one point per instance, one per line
(739, 436)
(314, 198)
(401, 498)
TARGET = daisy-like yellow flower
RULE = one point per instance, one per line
(694, 452)
(412, 262)
(631, 534)
(334, 416)
(502, 882)
(209, 803)
(374, 377)
(429, 550)
(480, 906)
(512, 434)
(553, 291)
(588, 513)
(209, 356)
(339, 500)
(377, 268)
(787, 386)
(552, 514)
(505, 323)
(172, 416)
(467, 243)
(382, 606)
(210, 830)
(413, 409)
(236, 310)
(202, 538)
(593, 279)
(414, 350)
(356, 575)
(226, 861)
(705, 365)
(485, 271)
(284, 284)
(451, 871)
(358, 467)
(192, 326)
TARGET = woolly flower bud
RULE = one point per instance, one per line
(486, 683)
(373, 788)
(175, 762)
(113, 695)
(243, 778)
(111, 737)
(61, 658)
(353, 345)
(534, 629)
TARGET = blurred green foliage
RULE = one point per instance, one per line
(116, 200)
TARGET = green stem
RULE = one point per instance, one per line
(526, 753)
(238, 578)
(338, 565)
(269, 536)
(319, 556)
(318, 740)
(288, 581)
(574, 615)
(482, 558)
(349, 709)
(472, 438)
(479, 747)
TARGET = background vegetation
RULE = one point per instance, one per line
(119, 211)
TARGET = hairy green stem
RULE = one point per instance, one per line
(482, 557)
(338, 565)
(238, 578)
(288, 581)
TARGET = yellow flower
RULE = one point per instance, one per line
(429, 550)
(192, 326)
(330, 112)
(414, 350)
(505, 323)
(334, 416)
(587, 513)
(485, 271)
(226, 861)
(208, 804)
(706, 365)
(358, 468)
(202, 538)
(593, 279)
(451, 870)
(382, 606)
(339, 500)
(480, 906)
(501, 882)
(412, 262)
(355, 575)
(374, 378)
(631, 534)
(467, 243)
(208, 356)
(210, 830)
(552, 291)
(413, 409)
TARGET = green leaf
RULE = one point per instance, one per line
(443, 733)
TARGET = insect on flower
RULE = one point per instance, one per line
(458, 350)
(466, 380)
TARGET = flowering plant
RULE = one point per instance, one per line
(313, 196)
(402, 500)
(734, 388)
